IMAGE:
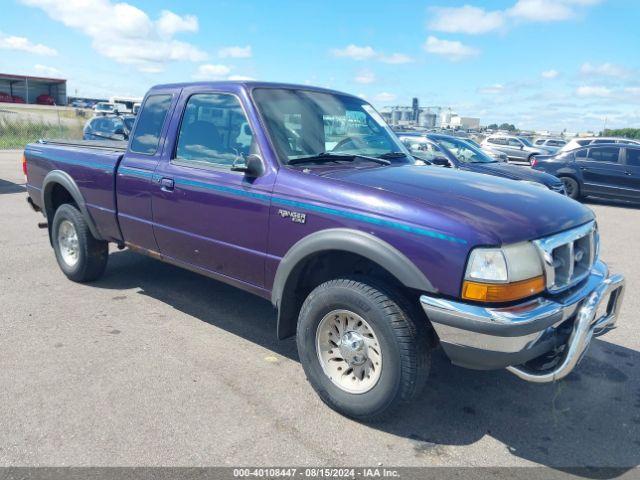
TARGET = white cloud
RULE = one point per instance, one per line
(240, 78)
(492, 89)
(604, 70)
(46, 70)
(211, 72)
(593, 91)
(355, 52)
(359, 53)
(466, 19)
(474, 20)
(633, 90)
(384, 97)
(235, 52)
(169, 23)
(541, 10)
(453, 50)
(550, 74)
(22, 44)
(126, 34)
(396, 58)
(365, 77)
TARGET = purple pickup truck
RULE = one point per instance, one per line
(305, 197)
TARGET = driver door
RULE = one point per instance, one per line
(205, 214)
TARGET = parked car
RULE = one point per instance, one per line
(516, 148)
(492, 152)
(105, 128)
(104, 108)
(584, 141)
(369, 263)
(45, 100)
(609, 170)
(452, 152)
(6, 98)
(551, 145)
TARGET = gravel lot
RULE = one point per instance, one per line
(154, 365)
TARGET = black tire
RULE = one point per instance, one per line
(92, 254)
(572, 187)
(530, 157)
(404, 344)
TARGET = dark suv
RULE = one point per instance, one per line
(604, 170)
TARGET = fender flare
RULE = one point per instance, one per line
(65, 180)
(346, 240)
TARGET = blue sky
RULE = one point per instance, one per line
(544, 64)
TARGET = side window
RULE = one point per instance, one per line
(514, 143)
(147, 134)
(214, 131)
(633, 157)
(541, 142)
(582, 154)
(604, 154)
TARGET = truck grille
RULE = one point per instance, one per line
(568, 256)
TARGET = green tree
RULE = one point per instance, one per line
(510, 127)
(622, 132)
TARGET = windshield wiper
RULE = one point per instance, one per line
(107, 137)
(326, 157)
(391, 155)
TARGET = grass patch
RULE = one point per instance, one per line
(16, 133)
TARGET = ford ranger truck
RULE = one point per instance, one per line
(305, 197)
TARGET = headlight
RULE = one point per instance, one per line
(535, 184)
(503, 274)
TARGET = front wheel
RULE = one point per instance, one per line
(80, 255)
(360, 350)
(571, 187)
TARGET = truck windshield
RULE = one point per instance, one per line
(307, 123)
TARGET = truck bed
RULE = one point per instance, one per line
(91, 164)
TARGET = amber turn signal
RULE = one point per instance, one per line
(502, 292)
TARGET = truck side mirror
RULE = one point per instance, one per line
(441, 161)
(252, 167)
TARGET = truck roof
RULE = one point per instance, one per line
(248, 84)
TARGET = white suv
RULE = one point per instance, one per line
(581, 142)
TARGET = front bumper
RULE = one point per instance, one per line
(480, 337)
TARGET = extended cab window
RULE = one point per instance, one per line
(604, 154)
(214, 131)
(147, 135)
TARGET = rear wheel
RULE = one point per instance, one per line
(572, 187)
(360, 349)
(80, 255)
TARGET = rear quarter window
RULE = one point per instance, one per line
(152, 117)
(633, 157)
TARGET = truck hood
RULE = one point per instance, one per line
(492, 210)
(513, 172)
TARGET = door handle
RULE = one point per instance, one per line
(166, 184)
(627, 172)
